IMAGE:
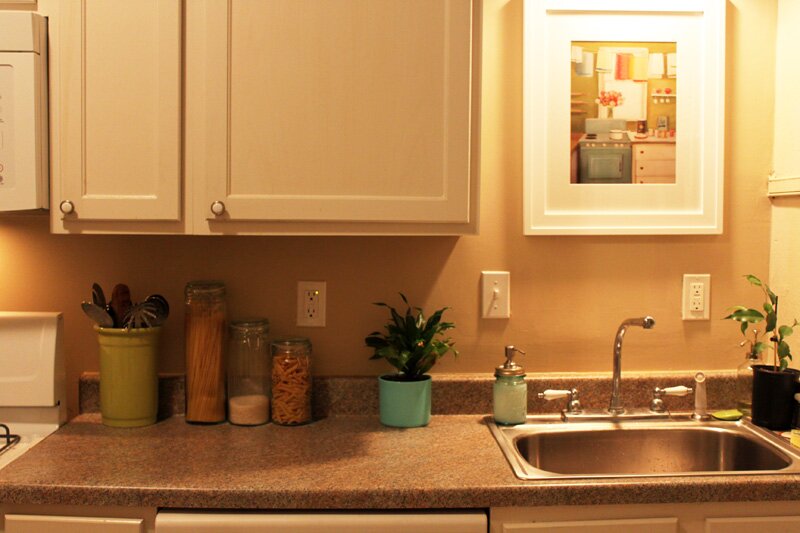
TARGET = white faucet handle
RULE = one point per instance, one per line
(680, 390)
(554, 394)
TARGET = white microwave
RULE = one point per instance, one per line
(24, 147)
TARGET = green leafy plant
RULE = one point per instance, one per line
(411, 343)
(772, 333)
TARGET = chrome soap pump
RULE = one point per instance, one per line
(510, 398)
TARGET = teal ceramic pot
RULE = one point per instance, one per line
(404, 404)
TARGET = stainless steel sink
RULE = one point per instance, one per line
(547, 448)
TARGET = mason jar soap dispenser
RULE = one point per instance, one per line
(510, 391)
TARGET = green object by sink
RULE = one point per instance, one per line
(727, 414)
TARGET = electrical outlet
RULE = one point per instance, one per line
(696, 296)
(311, 304)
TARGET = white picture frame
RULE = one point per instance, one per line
(691, 205)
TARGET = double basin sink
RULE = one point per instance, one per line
(548, 448)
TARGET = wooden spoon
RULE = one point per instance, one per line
(120, 303)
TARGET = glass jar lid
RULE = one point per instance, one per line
(250, 325)
(205, 289)
(290, 345)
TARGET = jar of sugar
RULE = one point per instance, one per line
(248, 372)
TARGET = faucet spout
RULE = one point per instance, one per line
(647, 322)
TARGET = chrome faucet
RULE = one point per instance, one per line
(647, 322)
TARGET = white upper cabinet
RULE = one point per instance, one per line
(347, 116)
(266, 116)
(119, 107)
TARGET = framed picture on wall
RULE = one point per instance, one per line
(594, 71)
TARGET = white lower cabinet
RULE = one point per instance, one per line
(19, 523)
(762, 524)
(729, 517)
(636, 525)
(27, 518)
(106, 519)
(653, 162)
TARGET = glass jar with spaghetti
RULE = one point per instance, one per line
(248, 372)
(205, 345)
(291, 381)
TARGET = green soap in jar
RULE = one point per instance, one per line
(510, 392)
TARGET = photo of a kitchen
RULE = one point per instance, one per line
(623, 104)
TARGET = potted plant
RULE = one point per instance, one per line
(774, 384)
(412, 344)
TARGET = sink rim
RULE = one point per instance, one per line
(507, 436)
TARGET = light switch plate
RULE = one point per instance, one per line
(495, 294)
(696, 301)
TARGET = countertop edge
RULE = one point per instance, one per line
(698, 490)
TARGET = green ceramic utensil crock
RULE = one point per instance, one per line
(128, 375)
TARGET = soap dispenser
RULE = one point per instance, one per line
(510, 391)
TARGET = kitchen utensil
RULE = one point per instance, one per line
(120, 303)
(98, 314)
(161, 308)
(98, 296)
(141, 315)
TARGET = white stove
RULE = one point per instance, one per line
(603, 159)
(32, 388)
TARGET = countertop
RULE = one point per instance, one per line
(340, 462)
(651, 139)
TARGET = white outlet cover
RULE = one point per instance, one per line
(689, 300)
(304, 319)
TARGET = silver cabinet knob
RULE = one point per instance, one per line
(218, 208)
(66, 207)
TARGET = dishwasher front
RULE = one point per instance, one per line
(318, 522)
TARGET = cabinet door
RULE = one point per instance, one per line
(71, 524)
(648, 151)
(323, 111)
(762, 524)
(119, 143)
(629, 525)
(656, 167)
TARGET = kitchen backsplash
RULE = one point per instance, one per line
(458, 394)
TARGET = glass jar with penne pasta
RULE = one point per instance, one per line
(291, 381)
(205, 349)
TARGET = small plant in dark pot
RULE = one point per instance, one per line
(774, 385)
(412, 344)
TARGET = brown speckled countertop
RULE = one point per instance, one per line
(340, 462)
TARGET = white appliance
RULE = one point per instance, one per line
(24, 152)
(32, 380)
(335, 522)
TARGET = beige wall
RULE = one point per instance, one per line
(568, 293)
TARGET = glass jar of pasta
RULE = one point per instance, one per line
(248, 372)
(205, 345)
(291, 381)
